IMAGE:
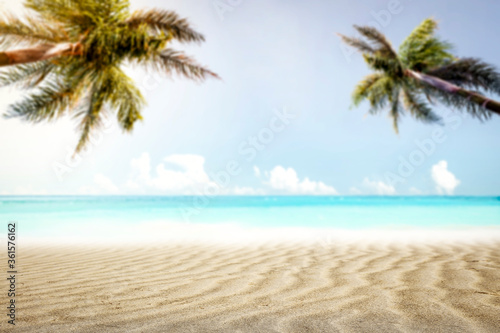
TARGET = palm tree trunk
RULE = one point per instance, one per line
(38, 53)
(451, 88)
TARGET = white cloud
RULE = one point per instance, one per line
(287, 180)
(101, 185)
(191, 175)
(178, 174)
(141, 169)
(446, 182)
(141, 166)
(185, 174)
(105, 184)
(378, 187)
(256, 170)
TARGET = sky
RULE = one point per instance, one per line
(280, 121)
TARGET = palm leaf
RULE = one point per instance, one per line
(160, 20)
(470, 73)
(27, 75)
(47, 103)
(125, 97)
(417, 107)
(423, 32)
(90, 116)
(459, 102)
(358, 44)
(384, 47)
(379, 93)
(170, 61)
(388, 65)
(395, 109)
(63, 11)
(81, 15)
(362, 89)
(421, 50)
(14, 31)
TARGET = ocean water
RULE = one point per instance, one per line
(67, 216)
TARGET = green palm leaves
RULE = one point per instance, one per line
(75, 50)
(421, 72)
(421, 50)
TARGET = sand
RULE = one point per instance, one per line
(278, 287)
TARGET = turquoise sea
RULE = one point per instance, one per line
(52, 215)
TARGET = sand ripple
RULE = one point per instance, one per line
(285, 287)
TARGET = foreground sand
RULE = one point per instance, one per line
(285, 287)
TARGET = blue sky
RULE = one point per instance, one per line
(275, 58)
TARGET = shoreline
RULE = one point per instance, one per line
(161, 233)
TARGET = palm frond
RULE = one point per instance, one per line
(55, 10)
(65, 12)
(470, 73)
(111, 88)
(384, 47)
(14, 31)
(421, 50)
(112, 11)
(358, 44)
(90, 116)
(458, 102)
(380, 93)
(48, 103)
(396, 109)
(160, 20)
(170, 61)
(388, 65)
(423, 32)
(26, 75)
(417, 107)
(430, 54)
(78, 16)
(363, 88)
(129, 107)
(125, 97)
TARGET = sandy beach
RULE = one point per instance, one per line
(279, 287)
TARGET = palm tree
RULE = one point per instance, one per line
(422, 72)
(69, 54)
